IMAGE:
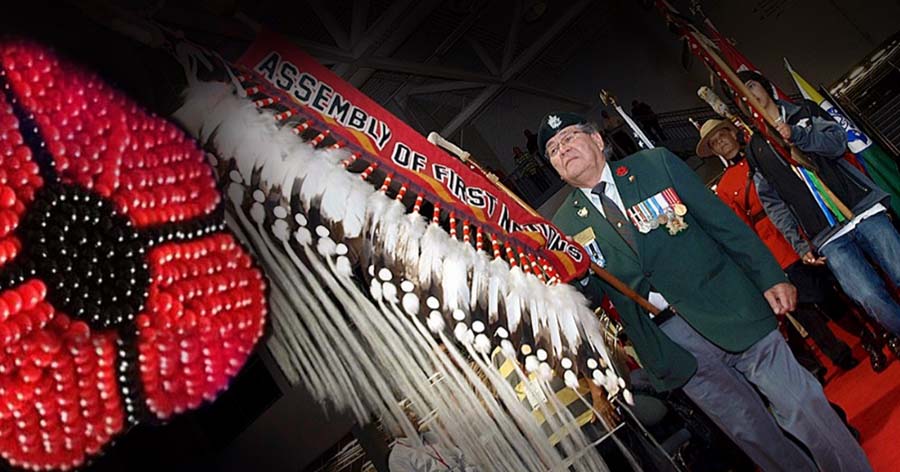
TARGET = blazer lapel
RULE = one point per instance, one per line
(605, 231)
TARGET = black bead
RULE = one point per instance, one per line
(90, 257)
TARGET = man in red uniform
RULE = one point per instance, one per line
(815, 290)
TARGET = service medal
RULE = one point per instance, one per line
(676, 225)
(680, 209)
(637, 219)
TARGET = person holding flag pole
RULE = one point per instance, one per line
(877, 163)
(786, 128)
(816, 294)
(793, 199)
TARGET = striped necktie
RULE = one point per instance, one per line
(615, 216)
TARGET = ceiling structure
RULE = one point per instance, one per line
(440, 64)
(481, 71)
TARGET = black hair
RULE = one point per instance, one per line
(747, 75)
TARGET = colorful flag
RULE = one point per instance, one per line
(878, 163)
(735, 58)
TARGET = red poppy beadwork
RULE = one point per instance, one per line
(122, 297)
(621, 171)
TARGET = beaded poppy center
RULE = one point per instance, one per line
(90, 257)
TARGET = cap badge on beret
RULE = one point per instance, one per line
(554, 121)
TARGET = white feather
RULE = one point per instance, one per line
(376, 205)
(545, 372)
(283, 160)
(498, 285)
(337, 189)
(293, 168)
(199, 100)
(454, 281)
(245, 135)
(408, 245)
(313, 185)
(567, 309)
(515, 298)
(480, 275)
(390, 228)
(537, 304)
(355, 209)
(431, 257)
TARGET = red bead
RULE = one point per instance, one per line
(79, 331)
(13, 301)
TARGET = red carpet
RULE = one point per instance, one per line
(871, 401)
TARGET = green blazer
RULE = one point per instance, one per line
(713, 273)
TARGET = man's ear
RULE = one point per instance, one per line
(597, 139)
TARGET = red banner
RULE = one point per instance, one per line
(313, 90)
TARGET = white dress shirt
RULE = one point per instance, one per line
(612, 193)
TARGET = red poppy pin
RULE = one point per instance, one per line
(621, 171)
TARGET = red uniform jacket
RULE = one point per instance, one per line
(736, 189)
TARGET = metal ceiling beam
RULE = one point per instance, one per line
(444, 87)
(512, 37)
(476, 106)
(382, 26)
(332, 55)
(448, 43)
(484, 56)
(471, 109)
(522, 87)
(374, 34)
(323, 52)
(411, 20)
(426, 70)
(408, 115)
(331, 24)
(461, 28)
(536, 48)
(358, 22)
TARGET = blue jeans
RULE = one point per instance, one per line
(876, 238)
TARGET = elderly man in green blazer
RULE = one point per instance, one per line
(650, 221)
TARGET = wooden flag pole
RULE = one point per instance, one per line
(797, 155)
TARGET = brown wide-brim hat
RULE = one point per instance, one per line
(707, 130)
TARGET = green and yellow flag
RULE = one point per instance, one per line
(878, 163)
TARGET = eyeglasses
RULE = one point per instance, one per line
(564, 140)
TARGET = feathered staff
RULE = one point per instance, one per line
(374, 305)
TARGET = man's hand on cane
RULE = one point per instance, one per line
(782, 298)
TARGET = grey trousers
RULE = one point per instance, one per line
(721, 388)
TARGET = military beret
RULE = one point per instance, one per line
(552, 124)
